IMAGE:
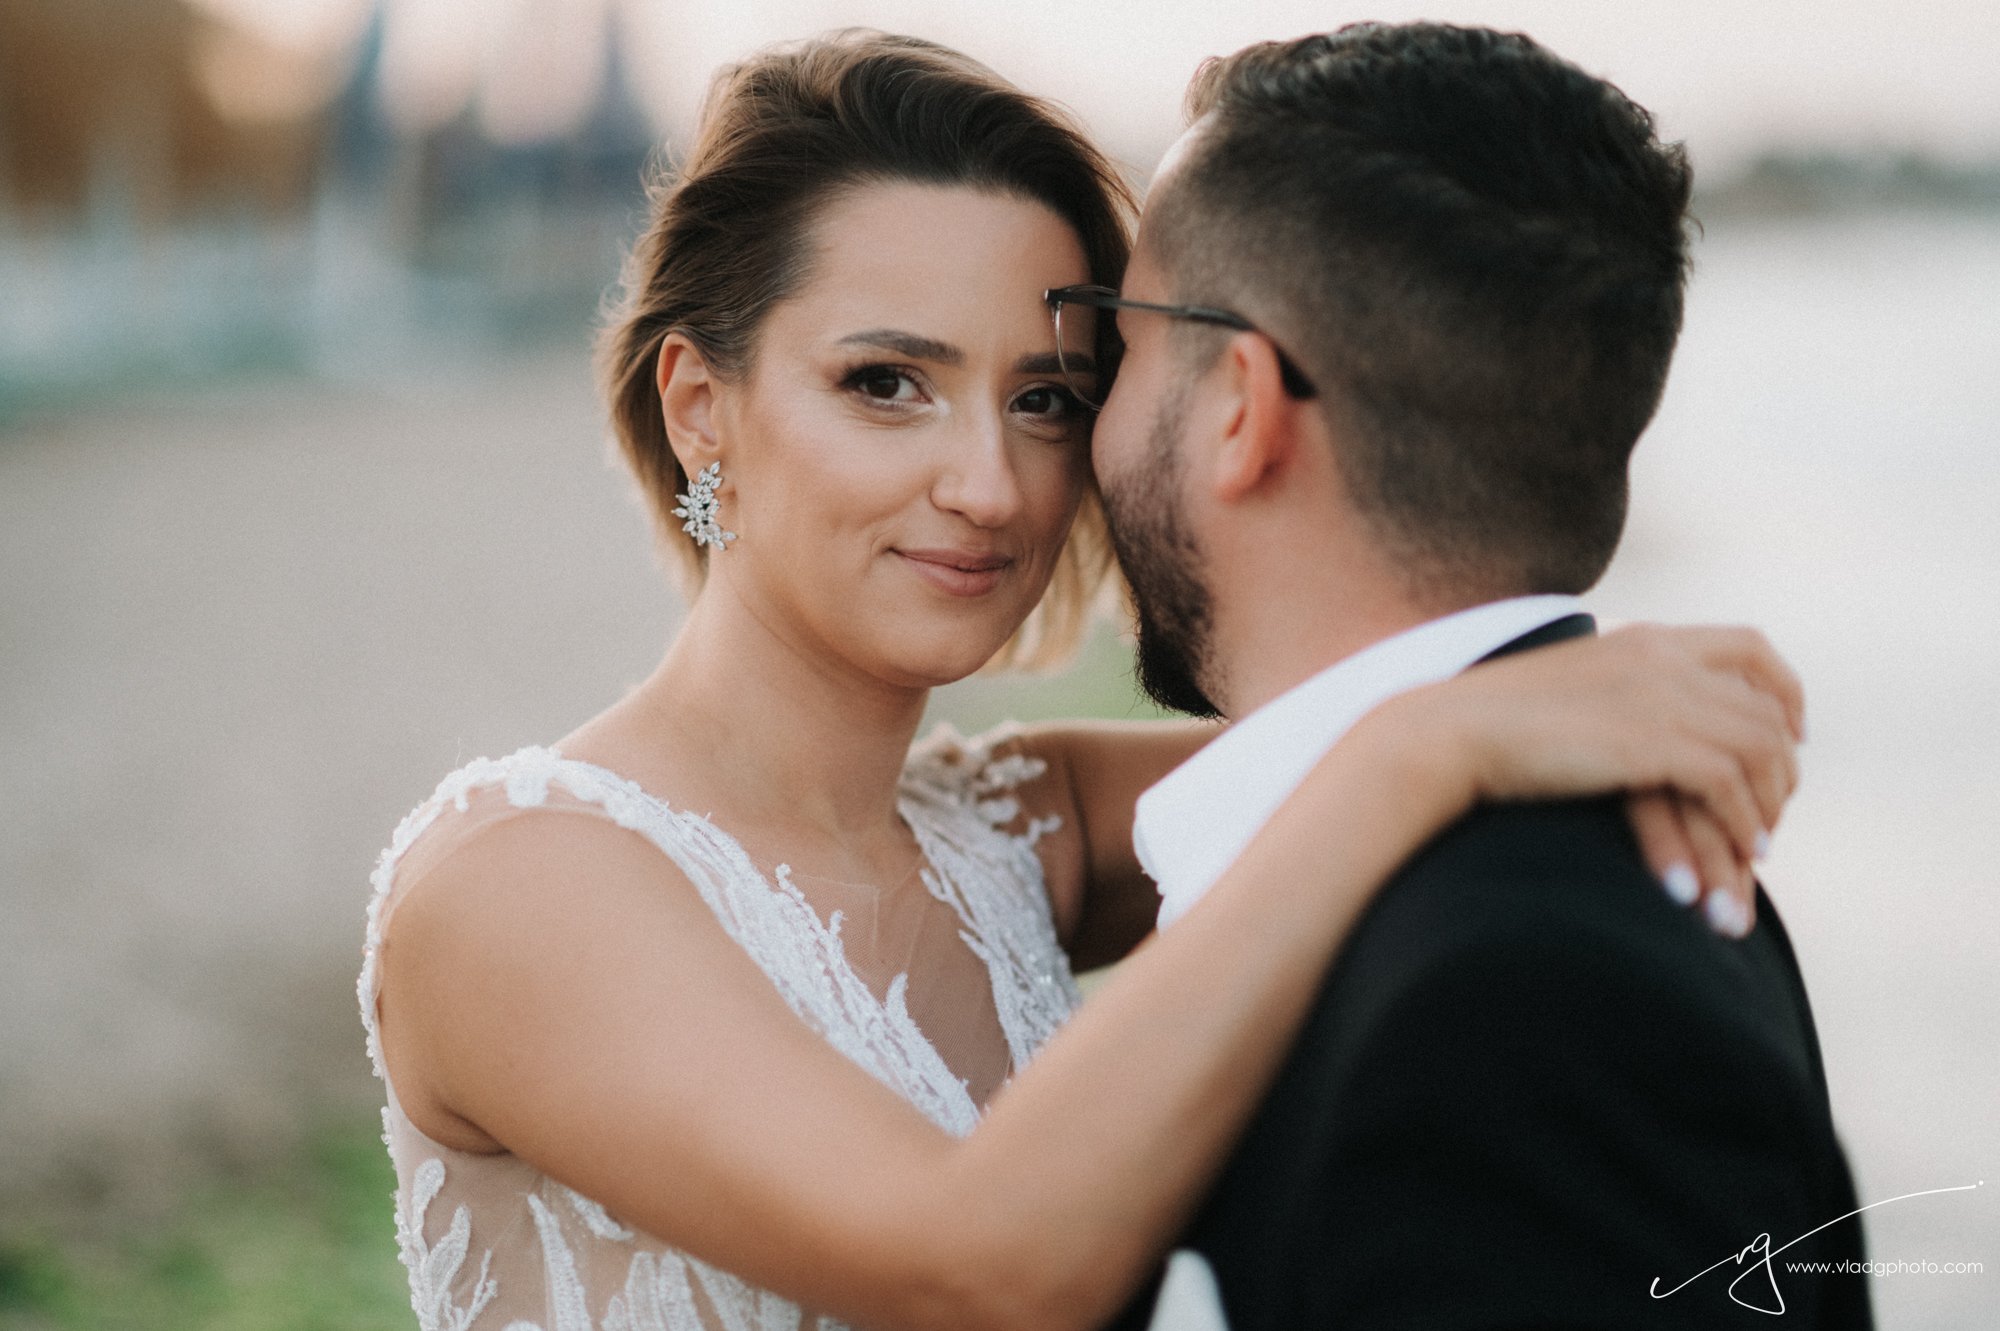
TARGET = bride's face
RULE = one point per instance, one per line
(903, 460)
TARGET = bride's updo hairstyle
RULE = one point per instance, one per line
(781, 136)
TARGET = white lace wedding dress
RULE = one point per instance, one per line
(490, 1242)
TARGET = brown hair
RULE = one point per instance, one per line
(782, 135)
(1482, 267)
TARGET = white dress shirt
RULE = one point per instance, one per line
(1193, 824)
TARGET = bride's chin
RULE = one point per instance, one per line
(936, 671)
(941, 658)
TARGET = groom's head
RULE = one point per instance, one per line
(1463, 259)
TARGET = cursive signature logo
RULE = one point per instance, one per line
(1761, 1245)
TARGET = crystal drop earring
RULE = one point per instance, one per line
(699, 506)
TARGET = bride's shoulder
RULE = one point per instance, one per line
(496, 895)
(509, 855)
(479, 809)
(1003, 780)
(535, 777)
(991, 772)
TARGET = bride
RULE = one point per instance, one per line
(720, 1012)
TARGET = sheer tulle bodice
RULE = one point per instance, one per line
(491, 1242)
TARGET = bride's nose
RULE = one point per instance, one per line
(976, 476)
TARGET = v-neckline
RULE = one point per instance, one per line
(907, 809)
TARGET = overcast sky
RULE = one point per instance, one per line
(1729, 76)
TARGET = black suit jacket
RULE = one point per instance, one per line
(1530, 1087)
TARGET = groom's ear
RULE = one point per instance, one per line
(687, 402)
(1260, 436)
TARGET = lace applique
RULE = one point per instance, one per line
(993, 882)
(656, 1297)
(434, 1271)
(565, 1288)
(595, 1218)
(959, 801)
(659, 1290)
(805, 961)
(993, 780)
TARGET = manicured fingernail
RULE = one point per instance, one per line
(1726, 915)
(1681, 884)
(1760, 850)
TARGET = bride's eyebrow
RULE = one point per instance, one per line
(918, 347)
(914, 345)
(1047, 362)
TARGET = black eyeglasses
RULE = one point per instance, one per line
(1091, 381)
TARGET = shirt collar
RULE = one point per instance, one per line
(1193, 824)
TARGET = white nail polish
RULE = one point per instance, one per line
(1725, 915)
(1681, 884)
(1761, 849)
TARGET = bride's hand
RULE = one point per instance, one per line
(1700, 724)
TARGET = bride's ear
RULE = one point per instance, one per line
(687, 402)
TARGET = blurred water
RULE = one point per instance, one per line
(243, 628)
(1827, 466)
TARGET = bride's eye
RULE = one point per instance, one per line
(882, 383)
(1049, 406)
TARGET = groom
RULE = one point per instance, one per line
(1427, 282)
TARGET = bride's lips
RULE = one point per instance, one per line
(959, 572)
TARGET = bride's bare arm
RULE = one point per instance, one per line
(562, 997)
(1105, 904)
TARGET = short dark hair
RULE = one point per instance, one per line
(784, 135)
(1477, 249)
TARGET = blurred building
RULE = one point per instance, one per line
(161, 106)
(184, 194)
(181, 196)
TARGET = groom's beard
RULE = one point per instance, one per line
(1162, 563)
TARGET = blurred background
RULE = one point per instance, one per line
(305, 499)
